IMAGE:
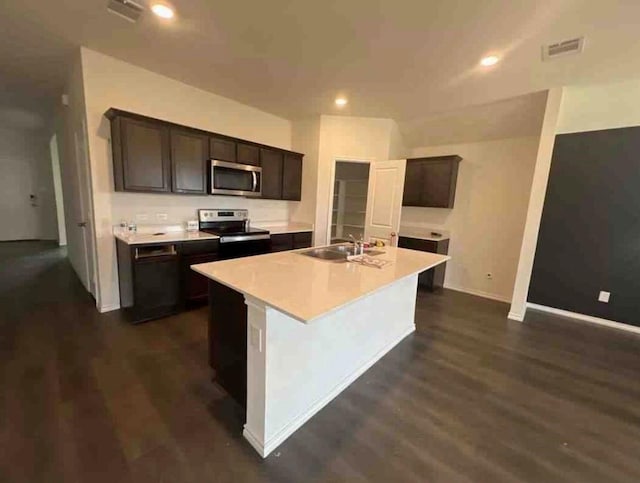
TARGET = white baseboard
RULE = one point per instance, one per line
(268, 446)
(585, 318)
(516, 316)
(478, 293)
(108, 308)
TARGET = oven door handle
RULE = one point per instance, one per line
(255, 181)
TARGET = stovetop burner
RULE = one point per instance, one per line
(230, 225)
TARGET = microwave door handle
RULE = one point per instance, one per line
(255, 181)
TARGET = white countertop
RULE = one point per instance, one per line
(278, 228)
(423, 233)
(306, 288)
(168, 237)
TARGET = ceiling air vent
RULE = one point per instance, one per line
(566, 47)
(126, 9)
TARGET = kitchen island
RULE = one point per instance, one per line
(302, 329)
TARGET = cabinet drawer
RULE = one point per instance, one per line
(418, 244)
(281, 242)
(302, 239)
(199, 247)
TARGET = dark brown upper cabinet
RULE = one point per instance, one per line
(272, 163)
(248, 154)
(431, 182)
(292, 177)
(141, 157)
(189, 156)
(222, 149)
(150, 155)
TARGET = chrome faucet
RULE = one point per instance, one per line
(358, 246)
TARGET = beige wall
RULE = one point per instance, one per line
(109, 83)
(349, 138)
(306, 139)
(487, 221)
(603, 106)
(69, 126)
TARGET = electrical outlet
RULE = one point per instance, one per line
(142, 217)
(604, 297)
(489, 276)
(161, 216)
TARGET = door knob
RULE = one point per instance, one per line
(82, 224)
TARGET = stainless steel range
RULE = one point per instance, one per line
(237, 237)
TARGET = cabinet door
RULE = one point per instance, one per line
(196, 286)
(437, 184)
(189, 154)
(281, 242)
(292, 177)
(222, 149)
(156, 285)
(145, 156)
(302, 239)
(272, 163)
(248, 154)
(413, 183)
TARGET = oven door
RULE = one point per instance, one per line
(235, 179)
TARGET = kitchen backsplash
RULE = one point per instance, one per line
(152, 209)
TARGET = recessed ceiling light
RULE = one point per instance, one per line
(341, 101)
(490, 60)
(162, 10)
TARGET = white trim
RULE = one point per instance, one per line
(267, 447)
(254, 441)
(332, 182)
(478, 293)
(516, 316)
(585, 318)
(107, 308)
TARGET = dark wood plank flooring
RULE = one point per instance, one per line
(470, 396)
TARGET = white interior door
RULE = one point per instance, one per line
(82, 212)
(384, 200)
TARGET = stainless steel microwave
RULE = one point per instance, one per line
(235, 179)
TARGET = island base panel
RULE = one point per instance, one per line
(228, 340)
(294, 369)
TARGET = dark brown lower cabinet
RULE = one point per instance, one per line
(195, 286)
(156, 279)
(149, 280)
(432, 279)
(228, 340)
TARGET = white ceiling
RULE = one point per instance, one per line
(509, 118)
(398, 59)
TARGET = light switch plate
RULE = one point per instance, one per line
(604, 297)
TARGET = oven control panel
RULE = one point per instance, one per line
(222, 215)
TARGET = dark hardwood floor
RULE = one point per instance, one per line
(470, 396)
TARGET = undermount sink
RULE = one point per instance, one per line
(337, 253)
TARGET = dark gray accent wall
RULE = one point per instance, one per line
(589, 238)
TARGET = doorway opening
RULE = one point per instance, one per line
(349, 205)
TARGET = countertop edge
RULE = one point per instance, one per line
(176, 239)
(424, 237)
